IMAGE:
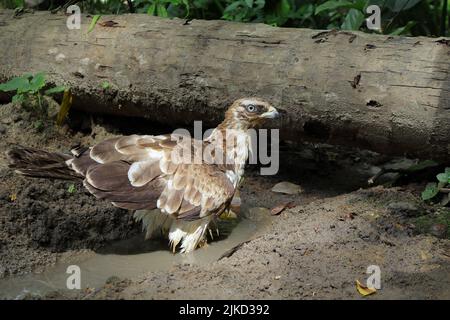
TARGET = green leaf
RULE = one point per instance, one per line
(151, 10)
(162, 11)
(430, 191)
(353, 20)
(400, 5)
(105, 85)
(71, 188)
(332, 5)
(233, 6)
(54, 90)
(14, 84)
(249, 3)
(304, 12)
(283, 8)
(443, 177)
(404, 29)
(37, 83)
(18, 98)
(94, 22)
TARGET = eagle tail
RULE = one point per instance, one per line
(41, 164)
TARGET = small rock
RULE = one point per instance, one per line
(287, 188)
(2, 129)
(17, 118)
(404, 208)
(7, 120)
(439, 230)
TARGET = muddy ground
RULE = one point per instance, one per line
(315, 250)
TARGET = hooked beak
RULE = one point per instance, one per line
(270, 114)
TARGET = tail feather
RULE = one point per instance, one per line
(41, 164)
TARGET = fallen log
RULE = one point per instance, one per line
(383, 93)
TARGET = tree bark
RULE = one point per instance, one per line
(383, 93)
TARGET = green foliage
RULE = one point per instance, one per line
(106, 85)
(93, 22)
(29, 91)
(24, 86)
(27, 85)
(71, 188)
(398, 17)
(435, 188)
(430, 191)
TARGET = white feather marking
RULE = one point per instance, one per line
(246, 102)
(154, 222)
(189, 233)
(138, 170)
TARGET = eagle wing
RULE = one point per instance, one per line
(138, 172)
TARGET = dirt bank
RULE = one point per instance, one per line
(42, 220)
(314, 252)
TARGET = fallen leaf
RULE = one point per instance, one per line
(108, 23)
(65, 106)
(363, 290)
(280, 208)
(13, 197)
(287, 188)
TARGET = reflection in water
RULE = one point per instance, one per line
(131, 258)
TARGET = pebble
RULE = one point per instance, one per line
(439, 230)
(2, 129)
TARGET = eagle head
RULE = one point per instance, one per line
(248, 113)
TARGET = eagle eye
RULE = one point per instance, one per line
(251, 108)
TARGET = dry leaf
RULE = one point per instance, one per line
(108, 23)
(280, 208)
(363, 290)
(65, 106)
(287, 188)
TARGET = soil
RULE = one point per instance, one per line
(314, 250)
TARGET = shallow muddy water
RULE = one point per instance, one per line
(129, 259)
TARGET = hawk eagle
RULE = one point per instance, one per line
(149, 173)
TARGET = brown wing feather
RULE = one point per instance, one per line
(137, 172)
(194, 191)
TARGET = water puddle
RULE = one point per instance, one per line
(129, 259)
